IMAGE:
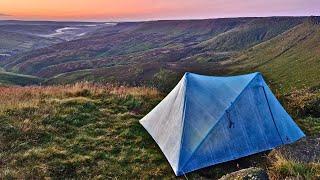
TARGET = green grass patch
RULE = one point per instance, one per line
(8, 78)
(310, 125)
(283, 168)
(83, 136)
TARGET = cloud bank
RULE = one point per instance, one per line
(3, 15)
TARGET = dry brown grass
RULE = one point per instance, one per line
(298, 102)
(19, 97)
(282, 167)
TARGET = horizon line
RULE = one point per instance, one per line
(164, 19)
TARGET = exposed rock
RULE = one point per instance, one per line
(306, 150)
(252, 173)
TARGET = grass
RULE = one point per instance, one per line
(294, 161)
(78, 131)
(304, 106)
(290, 60)
(89, 130)
(310, 125)
(282, 168)
(81, 131)
(165, 80)
(9, 78)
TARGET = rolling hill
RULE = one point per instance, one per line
(143, 48)
(12, 42)
(137, 52)
(8, 78)
(291, 60)
(22, 36)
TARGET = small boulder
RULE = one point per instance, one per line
(252, 173)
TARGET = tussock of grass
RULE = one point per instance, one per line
(304, 102)
(282, 168)
(304, 105)
(310, 125)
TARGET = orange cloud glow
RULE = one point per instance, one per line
(106, 10)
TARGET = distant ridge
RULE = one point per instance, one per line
(136, 52)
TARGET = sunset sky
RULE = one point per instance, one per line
(133, 10)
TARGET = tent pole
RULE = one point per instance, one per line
(185, 175)
(265, 95)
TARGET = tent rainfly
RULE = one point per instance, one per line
(206, 120)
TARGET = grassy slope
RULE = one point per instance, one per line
(290, 60)
(161, 42)
(77, 131)
(248, 34)
(92, 131)
(229, 36)
(8, 78)
(13, 42)
(21, 36)
(122, 39)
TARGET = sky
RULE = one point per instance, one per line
(137, 10)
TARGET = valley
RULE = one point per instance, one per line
(72, 93)
(133, 53)
(21, 36)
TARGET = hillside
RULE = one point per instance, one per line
(136, 53)
(22, 36)
(8, 78)
(290, 60)
(141, 49)
(12, 42)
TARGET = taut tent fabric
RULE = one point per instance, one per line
(206, 120)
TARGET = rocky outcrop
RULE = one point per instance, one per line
(252, 173)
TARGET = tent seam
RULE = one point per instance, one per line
(218, 121)
(274, 122)
(183, 118)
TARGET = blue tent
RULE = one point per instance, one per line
(206, 120)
